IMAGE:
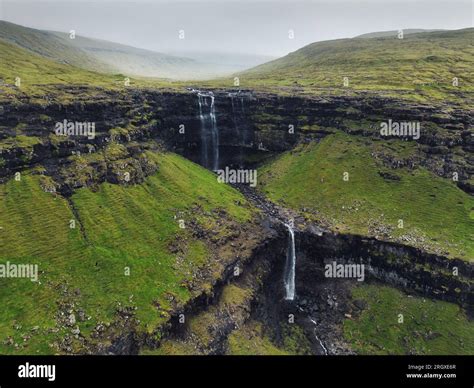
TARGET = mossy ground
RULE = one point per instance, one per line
(203, 328)
(310, 179)
(251, 340)
(254, 339)
(122, 226)
(419, 67)
(19, 141)
(40, 77)
(428, 327)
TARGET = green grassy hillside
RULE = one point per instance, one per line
(97, 55)
(436, 214)
(393, 33)
(38, 74)
(112, 58)
(47, 45)
(426, 327)
(420, 66)
(83, 269)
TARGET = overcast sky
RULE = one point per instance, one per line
(255, 27)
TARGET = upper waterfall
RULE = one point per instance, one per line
(209, 131)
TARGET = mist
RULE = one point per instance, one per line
(263, 28)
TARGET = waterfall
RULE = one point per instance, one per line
(290, 265)
(214, 134)
(209, 131)
(239, 133)
(204, 159)
(325, 350)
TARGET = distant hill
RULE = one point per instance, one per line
(37, 72)
(47, 45)
(109, 57)
(119, 58)
(97, 55)
(393, 33)
(421, 63)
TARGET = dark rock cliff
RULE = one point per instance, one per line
(251, 128)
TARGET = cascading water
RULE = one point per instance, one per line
(209, 131)
(325, 350)
(240, 133)
(290, 265)
(204, 158)
(215, 135)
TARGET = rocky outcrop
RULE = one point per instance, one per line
(252, 127)
(402, 266)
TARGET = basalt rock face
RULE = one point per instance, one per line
(255, 126)
(251, 127)
(404, 267)
(37, 122)
(217, 314)
(322, 303)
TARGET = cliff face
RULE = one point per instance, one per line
(250, 128)
(401, 266)
(321, 304)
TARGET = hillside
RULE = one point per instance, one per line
(109, 57)
(130, 237)
(99, 55)
(420, 66)
(39, 75)
(119, 58)
(374, 197)
(393, 33)
(83, 269)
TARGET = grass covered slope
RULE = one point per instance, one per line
(436, 214)
(418, 66)
(47, 45)
(254, 339)
(36, 72)
(40, 76)
(95, 54)
(83, 270)
(424, 326)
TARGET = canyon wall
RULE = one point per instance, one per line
(251, 128)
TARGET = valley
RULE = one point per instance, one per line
(144, 247)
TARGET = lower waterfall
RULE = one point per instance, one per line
(290, 266)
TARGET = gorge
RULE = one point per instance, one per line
(281, 272)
